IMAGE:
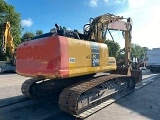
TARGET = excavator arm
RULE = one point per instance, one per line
(97, 29)
(7, 40)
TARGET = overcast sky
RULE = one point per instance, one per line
(43, 14)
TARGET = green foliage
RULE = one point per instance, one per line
(138, 51)
(121, 54)
(113, 48)
(8, 13)
(27, 36)
(39, 32)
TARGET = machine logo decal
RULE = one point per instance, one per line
(95, 57)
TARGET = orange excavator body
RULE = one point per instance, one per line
(46, 57)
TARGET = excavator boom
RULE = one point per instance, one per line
(7, 42)
(7, 39)
(113, 22)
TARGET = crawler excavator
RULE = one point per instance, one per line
(7, 41)
(68, 60)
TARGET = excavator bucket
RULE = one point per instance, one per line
(137, 74)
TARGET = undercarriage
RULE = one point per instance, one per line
(81, 94)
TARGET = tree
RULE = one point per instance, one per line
(8, 13)
(27, 36)
(39, 32)
(145, 51)
(138, 51)
(121, 54)
(113, 48)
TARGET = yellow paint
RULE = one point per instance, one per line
(80, 61)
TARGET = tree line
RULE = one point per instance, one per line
(119, 53)
(8, 13)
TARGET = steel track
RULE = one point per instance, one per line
(37, 88)
(69, 98)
